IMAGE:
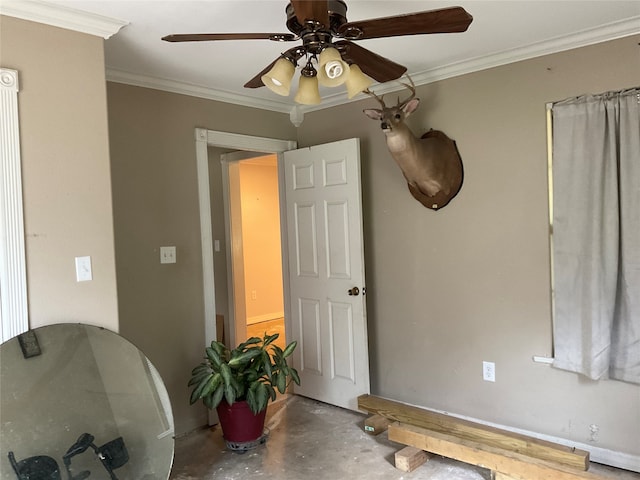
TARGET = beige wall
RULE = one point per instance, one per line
(153, 163)
(65, 168)
(261, 240)
(449, 289)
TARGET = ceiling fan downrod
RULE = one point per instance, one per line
(317, 37)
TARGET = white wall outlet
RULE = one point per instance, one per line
(167, 254)
(83, 269)
(489, 371)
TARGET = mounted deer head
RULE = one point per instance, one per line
(431, 164)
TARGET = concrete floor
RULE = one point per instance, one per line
(312, 440)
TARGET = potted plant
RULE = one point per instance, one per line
(239, 383)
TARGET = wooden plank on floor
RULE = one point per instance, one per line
(410, 458)
(515, 466)
(502, 476)
(376, 424)
(475, 432)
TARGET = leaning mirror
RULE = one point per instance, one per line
(78, 402)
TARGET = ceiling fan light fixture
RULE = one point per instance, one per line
(333, 70)
(278, 79)
(356, 81)
(308, 92)
(317, 23)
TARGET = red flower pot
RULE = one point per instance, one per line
(239, 424)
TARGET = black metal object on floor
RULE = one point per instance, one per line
(243, 447)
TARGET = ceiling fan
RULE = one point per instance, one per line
(317, 23)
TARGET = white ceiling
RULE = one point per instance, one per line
(501, 32)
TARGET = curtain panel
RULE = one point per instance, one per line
(596, 235)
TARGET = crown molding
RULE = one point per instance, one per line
(603, 33)
(63, 17)
(173, 86)
(612, 31)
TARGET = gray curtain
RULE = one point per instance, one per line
(596, 235)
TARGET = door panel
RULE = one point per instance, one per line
(341, 322)
(324, 219)
(337, 229)
(309, 338)
(306, 247)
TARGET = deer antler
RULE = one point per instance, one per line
(379, 99)
(412, 89)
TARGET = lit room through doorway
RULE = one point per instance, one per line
(257, 189)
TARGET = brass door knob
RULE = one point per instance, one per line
(355, 291)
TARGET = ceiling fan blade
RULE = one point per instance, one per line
(444, 20)
(256, 82)
(317, 10)
(203, 37)
(375, 66)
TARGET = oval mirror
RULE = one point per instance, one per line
(78, 402)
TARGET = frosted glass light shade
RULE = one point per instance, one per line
(278, 79)
(333, 70)
(356, 81)
(308, 93)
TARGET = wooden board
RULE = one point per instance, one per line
(376, 424)
(410, 458)
(475, 432)
(502, 476)
(220, 328)
(515, 466)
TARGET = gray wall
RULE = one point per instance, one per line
(449, 289)
(155, 202)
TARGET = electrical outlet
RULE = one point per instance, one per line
(489, 371)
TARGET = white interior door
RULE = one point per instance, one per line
(326, 271)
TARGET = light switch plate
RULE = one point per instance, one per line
(83, 269)
(167, 254)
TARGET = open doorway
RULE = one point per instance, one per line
(210, 201)
(327, 318)
(252, 224)
(211, 197)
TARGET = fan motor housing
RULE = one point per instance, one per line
(337, 17)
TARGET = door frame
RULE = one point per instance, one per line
(205, 138)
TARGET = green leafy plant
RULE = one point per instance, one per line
(252, 371)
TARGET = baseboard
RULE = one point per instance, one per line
(264, 318)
